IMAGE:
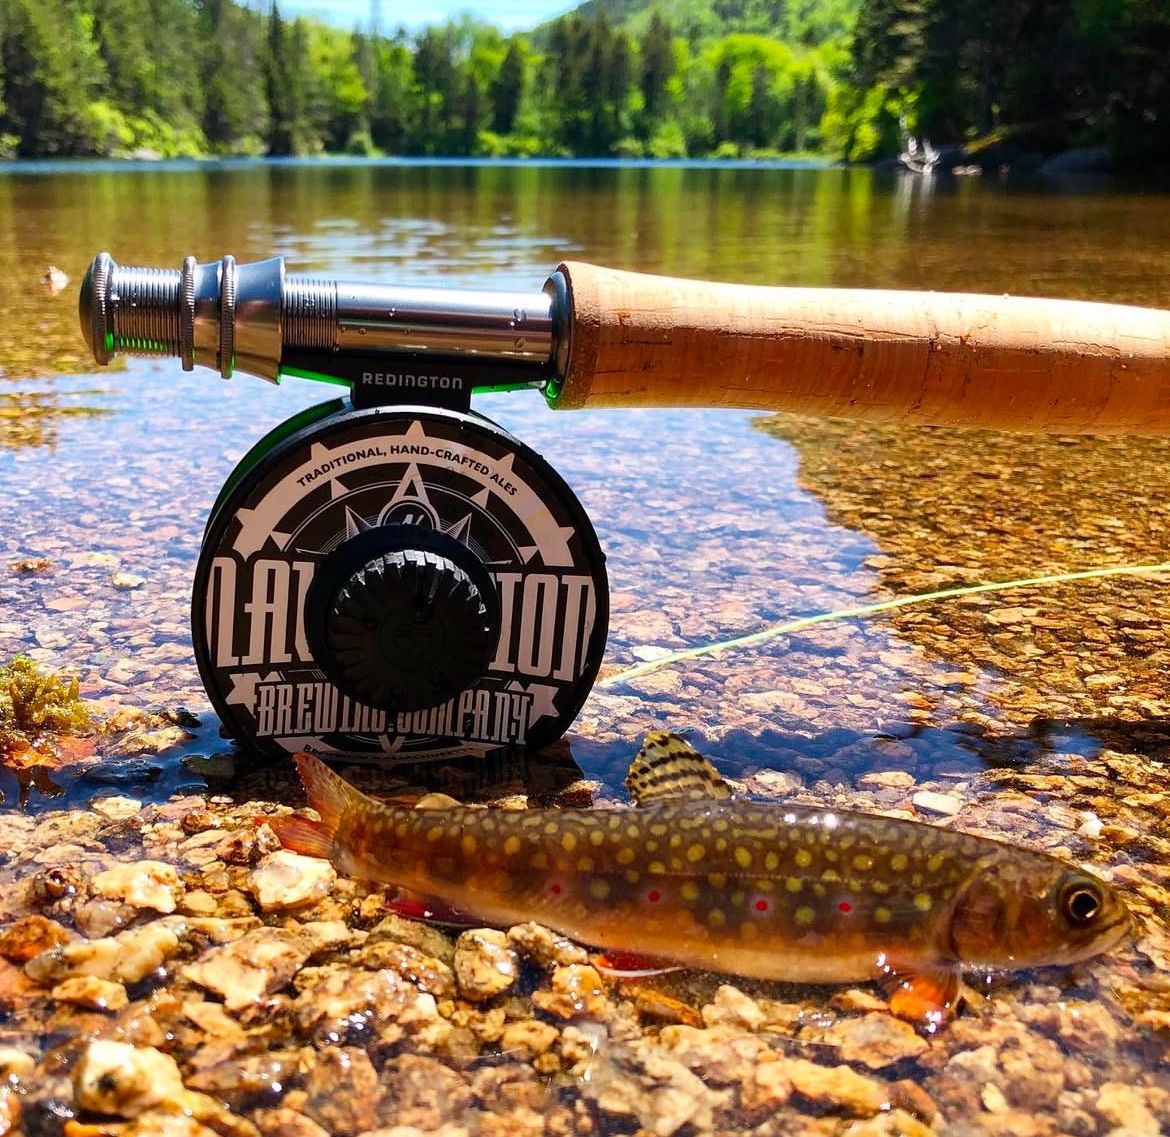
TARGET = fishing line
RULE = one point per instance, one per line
(751, 639)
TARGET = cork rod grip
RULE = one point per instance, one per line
(1056, 366)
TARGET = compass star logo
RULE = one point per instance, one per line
(410, 505)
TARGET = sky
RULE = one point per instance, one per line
(508, 14)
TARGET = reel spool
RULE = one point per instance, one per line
(398, 580)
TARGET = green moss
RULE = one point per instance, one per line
(33, 702)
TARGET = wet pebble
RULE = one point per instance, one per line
(92, 993)
(288, 880)
(126, 958)
(930, 801)
(875, 1040)
(117, 1079)
(545, 947)
(246, 970)
(29, 936)
(140, 884)
(485, 964)
(576, 991)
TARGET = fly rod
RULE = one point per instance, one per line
(598, 337)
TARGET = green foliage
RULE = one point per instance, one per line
(33, 703)
(1047, 72)
(181, 77)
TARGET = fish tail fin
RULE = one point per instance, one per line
(331, 796)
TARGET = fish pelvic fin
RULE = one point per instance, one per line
(926, 999)
(668, 768)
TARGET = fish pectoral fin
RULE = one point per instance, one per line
(927, 998)
(668, 768)
(629, 965)
(301, 835)
(415, 906)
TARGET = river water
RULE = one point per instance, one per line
(1036, 712)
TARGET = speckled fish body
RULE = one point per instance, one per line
(754, 889)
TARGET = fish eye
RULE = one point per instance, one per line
(1081, 903)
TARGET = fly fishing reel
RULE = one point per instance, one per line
(388, 573)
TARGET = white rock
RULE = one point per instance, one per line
(116, 808)
(15, 1063)
(245, 970)
(141, 884)
(123, 1080)
(124, 958)
(928, 801)
(287, 880)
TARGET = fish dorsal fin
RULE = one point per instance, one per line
(435, 801)
(669, 768)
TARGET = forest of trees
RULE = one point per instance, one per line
(190, 77)
(844, 78)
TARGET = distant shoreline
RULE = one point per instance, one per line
(179, 165)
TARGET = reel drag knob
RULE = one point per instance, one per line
(402, 619)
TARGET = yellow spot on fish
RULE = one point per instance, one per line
(625, 856)
(675, 841)
(696, 853)
(862, 861)
(656, 867)
(743, 857)
(804, 915)
(512, 845)
(400, 830)
(633, 876)
(880, 887)
(716, 879)
(916, 880)
(434, 835)
(793, 884)
(599, 888)
(923, 902)
(468, 843)
(539, 861)
(689, 891)
(803, 858)
(771, 861)
(715, 918)
(720, 826)
(552, 827)
(720, 844)
(936, 862)
(585, 864)
(658, 829)
(881, 914)
(831, 876)
(596, 837)
(898, 862)
(633, 832)
(568, 841)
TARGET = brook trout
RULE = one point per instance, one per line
(695, 878)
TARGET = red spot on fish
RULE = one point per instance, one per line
(654, 896)
(555, 889)
(761, 906)
(844, 906)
